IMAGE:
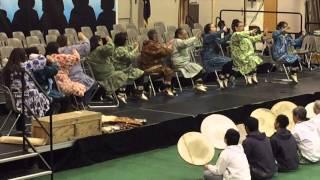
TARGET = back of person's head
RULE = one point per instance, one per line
(281, 25)
(221, 24)
(178, 32)
(17, 56)
(120, 39)
(300, 114)
(95, 42)
(31, 50)
(282, 121)
(52, 48)
(251, 124)
(235, 23)
(207, 28)
(232, 137)
(107, 5)
(62, 41)
(316, 107)
(26, 4)
(152, 35)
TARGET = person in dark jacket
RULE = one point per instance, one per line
(5, 24)
(284, 146)
(258, 149)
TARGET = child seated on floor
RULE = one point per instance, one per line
(306, 134)
(284, 146)
(232, 162)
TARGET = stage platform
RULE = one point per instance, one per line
(169, 118)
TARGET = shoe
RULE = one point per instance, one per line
(294, 78)
(122, 97)
(249, 80)
(221, 83)
(169, 92)
(204, 86)
(143, 97)
(255, 78)
(200, 89)
(225, 83)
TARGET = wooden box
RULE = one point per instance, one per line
(69, 126)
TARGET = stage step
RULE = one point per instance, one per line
(30, 176)
(16, 156)
(25, 173)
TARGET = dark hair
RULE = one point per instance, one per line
(281, 25)
(94, 42)
(232, 137)
(31, 50)
(301, 113)
(17, 56)
(207, 28)
(178, 32)
(252, 124)
(221, 24)
(52, 48)
(120, 39)
(283, 121)
(151, 33)
(235, 23)
(62, 41)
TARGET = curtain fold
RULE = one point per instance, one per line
(313, 15)
(183, 11)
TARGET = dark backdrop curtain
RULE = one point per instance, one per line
(313, 14)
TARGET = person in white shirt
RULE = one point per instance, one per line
(316, 119)
(307, 137)
(232, 163)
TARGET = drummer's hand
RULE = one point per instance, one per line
(206, 167)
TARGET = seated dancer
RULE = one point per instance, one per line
(100, 60)
(232, 162)
(38, 103)
(181, 58)
(65, 63)
(259, 152)
(44, 73)
(307, 137)
(284, 146)
(124, 58)
(76, 72)
(243, 53)
(212, 60)
(283, 47)
(152, 59)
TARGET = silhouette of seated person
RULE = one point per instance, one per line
(5, 24)
(82, 15)
(108, 16)
(26, 18)
(53, 16)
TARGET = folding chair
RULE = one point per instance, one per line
(55, 32)
(119, 28)
(171, 29)
(113, 33)
(11, 106)
(168, 36)
(14, 42)
(187, 28)
(160, 33)
(88, 70)
(41, 48)
(100, 34)
(132, 35)
(39, 34)
(161, 25)
(103, 29)
(198, 26)
(19, 35)
(307, 50)
(86, 30)
(3, 39)
(32, 40)
(131, 26)
(51, 38)
(143, 31)
(5, 52)
(73, 32)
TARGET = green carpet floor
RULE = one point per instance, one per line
(162, 164)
